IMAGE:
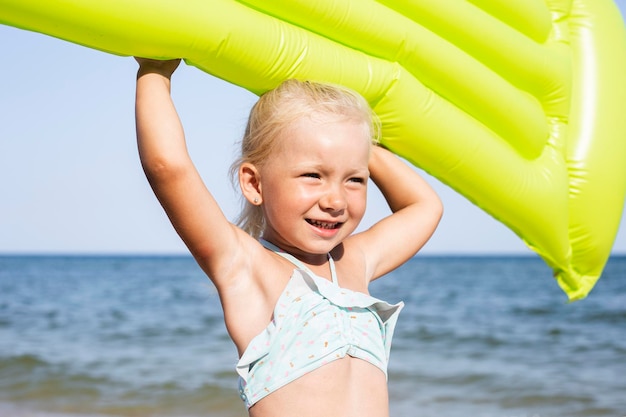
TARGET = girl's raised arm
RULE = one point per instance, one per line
(416, 212)
(191, 208)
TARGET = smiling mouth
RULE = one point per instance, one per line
(324, 225)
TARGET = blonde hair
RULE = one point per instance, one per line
(276, 111)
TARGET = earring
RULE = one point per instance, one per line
(255, 201)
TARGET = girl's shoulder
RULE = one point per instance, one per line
(351, 263)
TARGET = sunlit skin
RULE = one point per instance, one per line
(313, 191)
(314, 187)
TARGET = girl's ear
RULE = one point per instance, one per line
(250, 183)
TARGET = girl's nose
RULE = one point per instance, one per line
(333, 200)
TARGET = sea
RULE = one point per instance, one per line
(86, 336)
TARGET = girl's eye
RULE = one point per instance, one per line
(311, 175)
(357, 180)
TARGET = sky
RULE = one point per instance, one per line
(70, 179)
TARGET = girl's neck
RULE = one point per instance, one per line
(321, 267)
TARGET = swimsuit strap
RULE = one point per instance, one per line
(297, 262)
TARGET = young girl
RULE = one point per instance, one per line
(293, 280)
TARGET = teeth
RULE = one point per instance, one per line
(323, 225)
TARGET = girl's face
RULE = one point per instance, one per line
(314, 187)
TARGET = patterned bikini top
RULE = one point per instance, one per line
(314, 322)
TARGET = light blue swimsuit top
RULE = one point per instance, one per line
(314, 322)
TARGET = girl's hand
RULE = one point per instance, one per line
(163, 67)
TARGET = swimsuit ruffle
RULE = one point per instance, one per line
(301, 285)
